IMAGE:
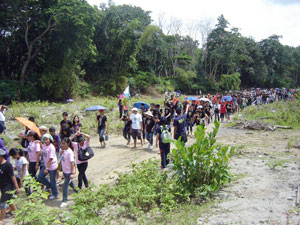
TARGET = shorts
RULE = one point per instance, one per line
(5, 196)
(136, 133)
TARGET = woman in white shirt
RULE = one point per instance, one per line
(2, 119)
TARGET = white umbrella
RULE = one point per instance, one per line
(204, 99)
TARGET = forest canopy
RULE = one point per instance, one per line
(57, 49)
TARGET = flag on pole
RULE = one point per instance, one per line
(126, 92)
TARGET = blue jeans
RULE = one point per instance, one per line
(52, 184)
(2, 127)
(65, 186)
(126, 133)
(189, 126)
(101, 133)
(149, 137)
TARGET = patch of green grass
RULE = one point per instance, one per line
(278, 113)
(50, 113)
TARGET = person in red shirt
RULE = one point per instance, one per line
(223, 111)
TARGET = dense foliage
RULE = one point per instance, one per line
(145, 193)
(56, 49)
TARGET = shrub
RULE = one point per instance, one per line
(203, 167)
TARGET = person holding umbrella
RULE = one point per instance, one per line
(102, 127)
(136, 126)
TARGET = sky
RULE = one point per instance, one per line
(258, 19)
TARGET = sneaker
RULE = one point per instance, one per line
(52, 197)
(63, 204)
(150, 147)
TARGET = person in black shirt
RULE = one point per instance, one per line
(126, 129)
(168, 113)
(190, 121)
(149, 123)
(63, 123)
(8, 183)
(120, 104)
(143, 111)
(200, 116)
(102, 127)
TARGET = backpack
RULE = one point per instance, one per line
(165, 136)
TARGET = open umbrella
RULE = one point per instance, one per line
(31, 125)
(204, 99)
(122, 96)
(139, 105)
(191, 98)
(95, 108)
(227, 98)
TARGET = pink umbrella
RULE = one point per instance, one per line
(122, 96)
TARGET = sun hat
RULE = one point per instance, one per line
(43, 128)
(2, 152)
(148, 113)
(134, 109)
(200, 107)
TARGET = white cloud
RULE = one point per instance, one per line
(257, 18)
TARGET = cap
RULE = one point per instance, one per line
(134, 109)
(52, 129)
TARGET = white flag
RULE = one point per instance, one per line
(126, 92)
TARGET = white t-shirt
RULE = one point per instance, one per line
(136, 121)
(2, 117)
(19, 166)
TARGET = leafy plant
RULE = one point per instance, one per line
(202, 168)
(31, 208)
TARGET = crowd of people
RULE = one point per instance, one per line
(51, 157)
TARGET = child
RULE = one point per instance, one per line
(21, 164)
(50, 161)
(68, 168)
(81, 165)
(8, 183)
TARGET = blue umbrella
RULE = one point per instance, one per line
(95, 108)
(139, 105)
(191, 98)
(227, 98)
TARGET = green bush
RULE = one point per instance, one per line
(202, 168)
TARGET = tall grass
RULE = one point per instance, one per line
(278, 113)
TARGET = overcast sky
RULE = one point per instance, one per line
(256, 18)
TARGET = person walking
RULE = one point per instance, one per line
(102, 127)
(164, 147)
(120, 104)
(149, 127)
(180, 125)
(83, 141)
(8, 183)
(34, 152)
(136, 126)
(68, 168)
(50, 162)
(126, 129)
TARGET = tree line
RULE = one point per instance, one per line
(55, 49)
